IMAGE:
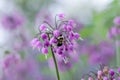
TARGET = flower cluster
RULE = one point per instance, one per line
(66, 63)
(60, 38)
(12, 21)
(97, 52)
(105, 73)
(16, 68)
(10, 60)
(115, 30)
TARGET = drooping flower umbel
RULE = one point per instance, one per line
(105, 73)
(97, 53)
(16, 68)
(60, 37)
(114, 31)
(12, 21)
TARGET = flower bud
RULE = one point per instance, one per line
(117, 20)
(61, 16)
(111, 72)
(44, 50)
(44, 36)
(56, 33)
(42, 27)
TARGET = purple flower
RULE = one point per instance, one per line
(46, 43)
(35, 43)
(60, 39)
(97, 53)
(105, 78)
(69, 28)
(114, 31)
(111, 72)
(71, 22)
(90, 78)
(26, 69)
(59, 51)
(61, 16)
(77, 23)
(44, 36)
(118, 78)
(56, 33)
(119, 70)
(105, 73)
(42, 27)
(53, 40)
(12, 21)
(99, 73)
(10, 60)
(44, 50)
(117, 20)
(71, 35)
(76, 35)
(71, 47)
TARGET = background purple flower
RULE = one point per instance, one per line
(117, 20)
(114, 31)
(98, 53)
(12, 21)
(21, 69)
(105, 73)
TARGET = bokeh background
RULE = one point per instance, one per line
(19, 22)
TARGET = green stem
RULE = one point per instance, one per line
(54, 59)
(117, 53)
(55, 62)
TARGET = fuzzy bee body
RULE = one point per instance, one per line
(60, 40)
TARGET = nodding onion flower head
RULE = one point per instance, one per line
(16, 68)
(114, 31)
(10, 60)
(60, 37)
(12, 21)
(105, 73)
(117, 20)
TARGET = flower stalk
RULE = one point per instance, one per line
(117, 53)
(115, 33)
(55, 61)
(56, 66)
(60, 38)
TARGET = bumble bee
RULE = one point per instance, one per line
(60, 40)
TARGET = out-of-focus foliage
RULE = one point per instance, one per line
(32, 7)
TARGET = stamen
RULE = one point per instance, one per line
(93, 73)
(66, 60)
(56, 21)
(50, 27)
(37, 35)
(62, 22)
